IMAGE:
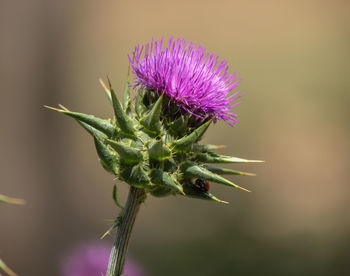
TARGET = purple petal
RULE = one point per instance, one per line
(92, 260)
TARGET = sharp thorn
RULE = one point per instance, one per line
(244, 189)
(63, 107)
(221, 146)
(53, 108)
(109, 82)
(248, 174)
(103, 85)
(223, 201)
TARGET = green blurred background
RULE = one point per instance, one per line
(293, 57)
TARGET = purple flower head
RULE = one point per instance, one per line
(192, 78)
(92, 260)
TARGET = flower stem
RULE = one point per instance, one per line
(117, 258)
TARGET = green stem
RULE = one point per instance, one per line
(117, 258)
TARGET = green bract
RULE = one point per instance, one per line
(156, 148)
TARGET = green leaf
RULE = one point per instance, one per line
(186, 142)
(159, 191)
(123, 120)
(227, 171)
(126, 98)
(139, 106)
(97, 123)
(107, 157)
(127, 155)
(115, 197)
(207, 147)
(159, 177)
(92, 130)
(191, 169)
(210, 157)
(179, 126)
(158, 150)
(135, 176)
(152, 119)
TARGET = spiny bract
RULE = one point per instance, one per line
(155, 148)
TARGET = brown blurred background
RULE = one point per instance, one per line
(293, 57)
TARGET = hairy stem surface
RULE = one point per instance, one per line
(120, 246)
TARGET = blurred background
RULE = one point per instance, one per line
(293, 57)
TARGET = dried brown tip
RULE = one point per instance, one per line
(103, 85)
(244, 189)
(221, 146)
(63, 107)
(109, 82)
(53, 108)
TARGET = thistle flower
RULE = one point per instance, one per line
(156, 149)
(91, 259)
(192, 79)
